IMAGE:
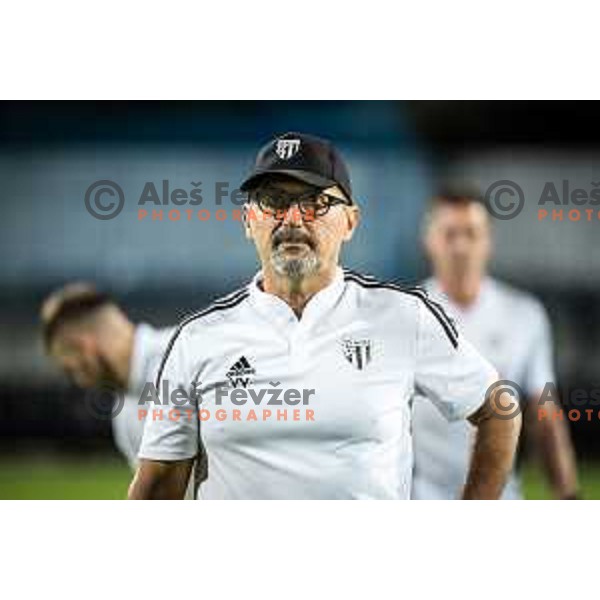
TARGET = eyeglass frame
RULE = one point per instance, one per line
(253, 196)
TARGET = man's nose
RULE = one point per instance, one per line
(292, 216)
(462, 245)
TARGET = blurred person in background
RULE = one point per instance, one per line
(510, 328)
(96, 345)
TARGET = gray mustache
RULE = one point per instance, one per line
(291, 236)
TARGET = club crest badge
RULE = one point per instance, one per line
(357, 352)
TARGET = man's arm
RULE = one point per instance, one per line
(493, 452)
(169, 445)
(548, 434)
(552, 444)
(161, 480)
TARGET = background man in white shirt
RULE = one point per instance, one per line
(509, 327)
(93, 341)
(354, 348)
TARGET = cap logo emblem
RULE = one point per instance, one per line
(285, 149)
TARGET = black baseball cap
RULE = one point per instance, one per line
(304, 157)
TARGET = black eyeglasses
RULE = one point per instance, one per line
(313, 203)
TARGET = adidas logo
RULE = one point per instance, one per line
(240, 373)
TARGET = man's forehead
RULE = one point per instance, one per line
(66, 337)
(469, 213)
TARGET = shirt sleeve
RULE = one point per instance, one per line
(149, 347)
(172, 429)
(539, 365)
(449, 371)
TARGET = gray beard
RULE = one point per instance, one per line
(295, 268)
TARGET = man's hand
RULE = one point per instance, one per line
(494, 450)
(552, 444)
(161, 480)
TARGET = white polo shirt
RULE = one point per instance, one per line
(149, 346)
(511, 329)
(349, 368)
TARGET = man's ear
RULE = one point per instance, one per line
(352, 221)
(426, 238)
(246, 221)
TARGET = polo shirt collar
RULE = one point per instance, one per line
(280, 313)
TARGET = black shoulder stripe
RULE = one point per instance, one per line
(436, 309)
(219, 304)
(440, 314)
(435, 306)
(231, 296)
(224, 304)
(369, 279)
(363, 276)
(412, 289)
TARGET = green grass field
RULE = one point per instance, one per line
(536, 488)
(64, 479)
(108, 478)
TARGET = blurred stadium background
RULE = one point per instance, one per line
(399, 152)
